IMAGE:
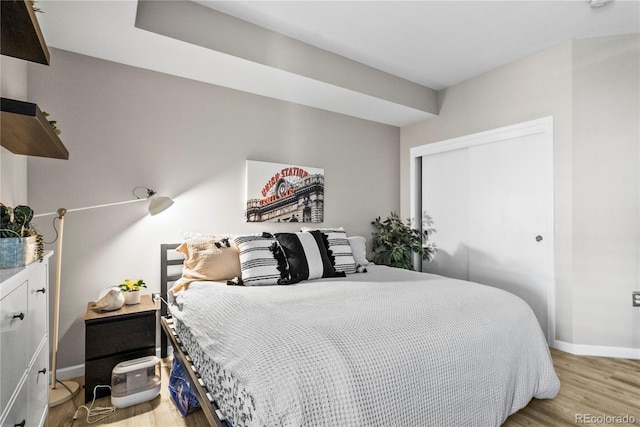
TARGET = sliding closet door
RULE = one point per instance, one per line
(445, 196)
(491, 199)
(509, 205)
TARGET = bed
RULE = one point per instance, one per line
(381, 347)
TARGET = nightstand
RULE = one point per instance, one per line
(112, 337)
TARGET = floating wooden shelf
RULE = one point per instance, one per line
(23, 127)
(21, 36)
(25, 130)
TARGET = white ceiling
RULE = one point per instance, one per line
(436, 43)
(433, 43)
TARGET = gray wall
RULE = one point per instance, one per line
(591, 89)
(606, 239)
(13, 169)
(127, 127)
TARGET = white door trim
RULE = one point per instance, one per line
(542, 126)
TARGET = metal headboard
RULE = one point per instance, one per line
(166, 277)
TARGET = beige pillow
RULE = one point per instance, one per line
(208, 259)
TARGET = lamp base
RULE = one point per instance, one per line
(62, 394)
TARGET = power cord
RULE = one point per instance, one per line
(70, 392)
(92, 412)
(72, 398)
(54, 229)
(157, 297)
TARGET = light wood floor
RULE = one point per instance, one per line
(590, 385)
(159, 412)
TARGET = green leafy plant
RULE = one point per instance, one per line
(16, 222)
(132, 285)
(34, 7)
(394, 241)
(52, 123)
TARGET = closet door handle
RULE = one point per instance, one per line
(42, 371)
(538, 238)
(19, 316)
(22, 424)
(41, 290)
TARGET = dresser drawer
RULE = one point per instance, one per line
(122, 334)
(38, 308)
(13, 341)
(19, 411)
(38, 388)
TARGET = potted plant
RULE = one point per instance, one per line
(20, 242)
(394, 241)
(131, 290)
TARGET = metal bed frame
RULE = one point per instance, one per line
(209, 407)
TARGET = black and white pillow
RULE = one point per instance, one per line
(262, 260)
(307, 255)
(339, 249)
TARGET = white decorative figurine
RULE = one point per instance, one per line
(110, 299)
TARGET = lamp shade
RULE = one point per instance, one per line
(159, 204)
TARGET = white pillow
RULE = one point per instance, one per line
(359, 249)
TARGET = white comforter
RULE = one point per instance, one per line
(387, 347)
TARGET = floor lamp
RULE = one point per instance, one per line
(59, 395)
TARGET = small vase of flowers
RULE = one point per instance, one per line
(131, 290)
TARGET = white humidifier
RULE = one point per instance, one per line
(135, 381)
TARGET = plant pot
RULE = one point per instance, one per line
(132, 297)
(18, 251)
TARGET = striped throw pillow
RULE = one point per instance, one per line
(339, 249)
(306, 255)
(262, 261)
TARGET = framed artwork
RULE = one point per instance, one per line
(280, 192)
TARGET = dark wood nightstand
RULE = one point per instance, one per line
(112, 337)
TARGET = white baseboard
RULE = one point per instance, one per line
(596, 350)
(78, 370)
(70, 372)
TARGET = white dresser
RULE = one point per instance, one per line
(24, 344)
